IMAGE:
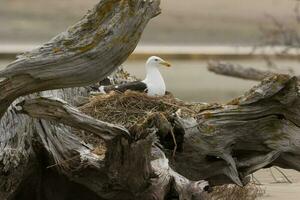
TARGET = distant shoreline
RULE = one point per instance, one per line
(10, 51)
(201, 22)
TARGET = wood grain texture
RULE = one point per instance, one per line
(40, 151)
(84, 54)
(238, 71)
(259, 129)
(53, 109)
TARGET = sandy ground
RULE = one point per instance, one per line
(187, 22)
(279, 189)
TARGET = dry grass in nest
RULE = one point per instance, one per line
(129, 108)
(251, 191)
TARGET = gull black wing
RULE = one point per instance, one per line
(134, 86)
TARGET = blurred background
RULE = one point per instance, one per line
(188, 33)
(191, 28)
(188, 22)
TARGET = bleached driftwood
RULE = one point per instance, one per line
(86, 53)
(238, 71)
(41, 157)
(257, 130)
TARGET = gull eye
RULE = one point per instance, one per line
(156, 59)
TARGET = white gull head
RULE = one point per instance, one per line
(155, 83)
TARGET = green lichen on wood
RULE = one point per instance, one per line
(92, 31)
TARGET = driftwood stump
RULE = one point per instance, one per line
(41, 157)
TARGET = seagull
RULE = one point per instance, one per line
(154, 84)
(154, 81)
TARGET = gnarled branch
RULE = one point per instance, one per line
(52, 109)
(218, 143)
(86, 53)
(257, 130)
(238, 71)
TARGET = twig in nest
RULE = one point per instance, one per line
(181, 107)
(175, 143)
(129, 107)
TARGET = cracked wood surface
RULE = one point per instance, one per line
(54, 109)
(84, 54)
(257, 130)
(221, 143)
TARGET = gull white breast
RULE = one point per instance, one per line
(154, 81)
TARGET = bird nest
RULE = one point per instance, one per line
(139, 112)
(131, 108)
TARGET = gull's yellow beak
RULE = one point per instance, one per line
(164, 63)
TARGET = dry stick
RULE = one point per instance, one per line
(64, 161)
(175, 144)
(257, 181)
(238, 71)
(283, 174)
(180, 107)
(273, 176)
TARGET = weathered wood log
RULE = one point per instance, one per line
(259, 129)
(42, 155)
(86, 53)
(25, 142)
(129, 163)
(222, 144)
(61, 112)
(238, 71)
